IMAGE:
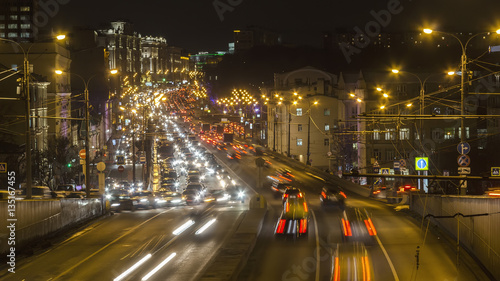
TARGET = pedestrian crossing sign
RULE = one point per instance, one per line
(3, 168)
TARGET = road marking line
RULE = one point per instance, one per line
(388, 259)
(314, 176)
(317, 245)
(107, 245)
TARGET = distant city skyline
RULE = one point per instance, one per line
(208, 26)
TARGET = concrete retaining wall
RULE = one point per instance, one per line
(478, 234)
(39, 218)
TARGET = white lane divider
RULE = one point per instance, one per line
(394, 273)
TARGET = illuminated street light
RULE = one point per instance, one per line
(87, 127)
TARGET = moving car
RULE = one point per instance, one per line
(279, 186)
(170, 198)
(63, 190)
(332, 196)
(351, 261)
(120, 201)
(357, 226)
(294, 220)
(144, 199)
(292, 192)
(191, 196)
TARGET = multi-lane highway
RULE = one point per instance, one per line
(148, 244)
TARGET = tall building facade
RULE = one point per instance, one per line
(17, 20)
(154, 60)
(123, 45)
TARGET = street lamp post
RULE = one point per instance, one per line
(26, 94)
(87, 126)
(463, 69)
(309, 133)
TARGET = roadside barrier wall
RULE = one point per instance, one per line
(478, 226)
(36, 219)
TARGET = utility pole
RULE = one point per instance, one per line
(26, 88)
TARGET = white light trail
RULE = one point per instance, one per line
(183, 227)
(132, 268)
(204, 227)
(158, 267)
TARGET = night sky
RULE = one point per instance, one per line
(196, 25)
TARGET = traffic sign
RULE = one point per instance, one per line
(386, 171)
(378, 181)
(121, 169)
(421, 163)
(396, 164)
(376, 164)
(376, 170)
(446, 173)
(402, 163)
(82, 154)
(101, 166)
(142, 159)
(495, 171)
(3, 168)
(463, 160)
(463, 148)
(463, 170)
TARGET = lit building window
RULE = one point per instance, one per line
(12, 34)
(390, 135)
(376, 134)
(299, 142)
(326, 112)
(12, 26)
(299, 111)
(327, 127)
(13, 17)
(404, 134)
(25, 9)
(25, 26)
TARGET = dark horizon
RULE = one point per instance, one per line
(203, 28)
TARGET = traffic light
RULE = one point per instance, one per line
(69, 165)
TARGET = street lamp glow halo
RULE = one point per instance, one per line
(395, 70)
(428, 30)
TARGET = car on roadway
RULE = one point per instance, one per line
(292, 192)
(294, 220)
(357, 226)
(144, 199)
(170, 198)
(332, 195)
(350, 261)
(199, 187)
(120, 201)
(191, 196)
(279, 187)
(285, 174)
